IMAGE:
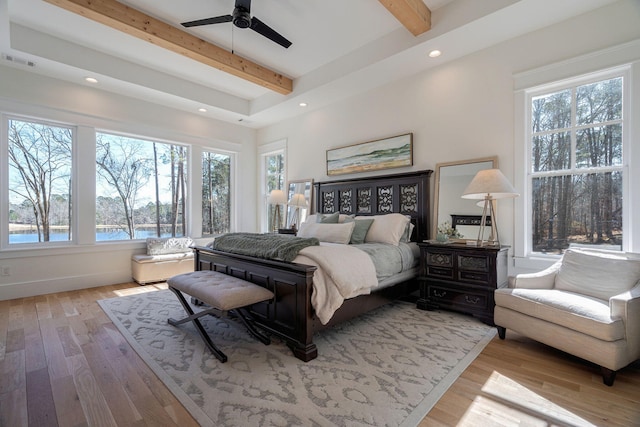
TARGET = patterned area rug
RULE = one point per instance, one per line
(385, 368)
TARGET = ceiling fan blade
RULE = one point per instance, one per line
(215, 20)
(261, 28)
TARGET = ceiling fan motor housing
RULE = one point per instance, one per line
(241, 17)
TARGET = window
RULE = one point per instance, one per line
(140, 188)
(274, 180)
(216, 193)
(40, 182)
(576, 164)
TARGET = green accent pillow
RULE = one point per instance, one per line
(328, 218)
(360, 230)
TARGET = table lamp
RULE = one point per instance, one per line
(488, 185)
(297, 201)
(277, 198)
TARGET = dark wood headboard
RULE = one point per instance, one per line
(406, 193)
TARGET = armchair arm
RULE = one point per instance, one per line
(544, 279)
(626, 306)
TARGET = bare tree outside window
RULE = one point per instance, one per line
(576, 167)
(40, 164)
(274, 166)
(216, 193)
(140, 188)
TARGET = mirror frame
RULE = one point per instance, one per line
(436, 194)
(291, 190)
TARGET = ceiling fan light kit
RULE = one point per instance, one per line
(241, 18)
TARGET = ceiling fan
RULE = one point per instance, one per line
(242, 18)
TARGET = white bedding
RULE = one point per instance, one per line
(344, 272)
(336, 278)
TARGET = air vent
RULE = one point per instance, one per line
(17, 60)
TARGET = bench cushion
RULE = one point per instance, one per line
(219, 290)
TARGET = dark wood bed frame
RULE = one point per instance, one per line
(290, 314)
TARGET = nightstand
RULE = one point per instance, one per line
(287, 231)
(459, 277)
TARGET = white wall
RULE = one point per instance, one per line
(40, 271)
(461, 110)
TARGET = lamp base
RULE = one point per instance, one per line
(493, 237)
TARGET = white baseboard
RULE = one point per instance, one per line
(61, 284)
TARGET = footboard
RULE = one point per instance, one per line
(290, 314)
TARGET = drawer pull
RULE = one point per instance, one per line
(439, 294)
(471, 300)
(478, 277)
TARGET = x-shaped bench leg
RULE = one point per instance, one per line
(194, 317)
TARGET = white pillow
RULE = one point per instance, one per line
(341, 217)
(168, 245)
(332, 233)
(597, 274)
(386, 228)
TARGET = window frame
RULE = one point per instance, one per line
(4, 183)
(575, 72)
(148, 139)
(84, 174)
(574, 169)
(264, 151)
(197, 188)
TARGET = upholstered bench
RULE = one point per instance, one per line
(165, 257)
(223, 293)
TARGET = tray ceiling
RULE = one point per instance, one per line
(340, 48)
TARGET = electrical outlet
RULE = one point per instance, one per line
(6, 270)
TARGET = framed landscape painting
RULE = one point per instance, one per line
(387, 153)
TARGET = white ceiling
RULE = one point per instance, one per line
(340, 48)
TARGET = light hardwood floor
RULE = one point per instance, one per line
(62, 362)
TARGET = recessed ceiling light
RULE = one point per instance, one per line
(435, 53)
(91, 80)
(303, 104)
(202, 110)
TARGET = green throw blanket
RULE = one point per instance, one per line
(269, 246)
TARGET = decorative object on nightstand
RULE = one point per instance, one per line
(297, 201)
(459, 277)
(489, 184)
(277, 198)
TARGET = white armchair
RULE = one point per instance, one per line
(586, 304)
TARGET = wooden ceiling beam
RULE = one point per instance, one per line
(133, 22)
(413, 14)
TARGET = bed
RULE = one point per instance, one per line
(291, 315)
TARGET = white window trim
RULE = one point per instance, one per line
(276, 147)
(621, 59)
(93, 171)
(196, 189)
(4, 183)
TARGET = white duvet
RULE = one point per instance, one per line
(343, 272)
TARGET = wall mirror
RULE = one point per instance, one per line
(451, 180)
(299, 201)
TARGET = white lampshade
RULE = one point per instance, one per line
(489, 182)
(487, 185)
(277, 197)
(298, 201)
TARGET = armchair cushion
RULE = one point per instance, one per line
(591, 316)
(597, 274)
